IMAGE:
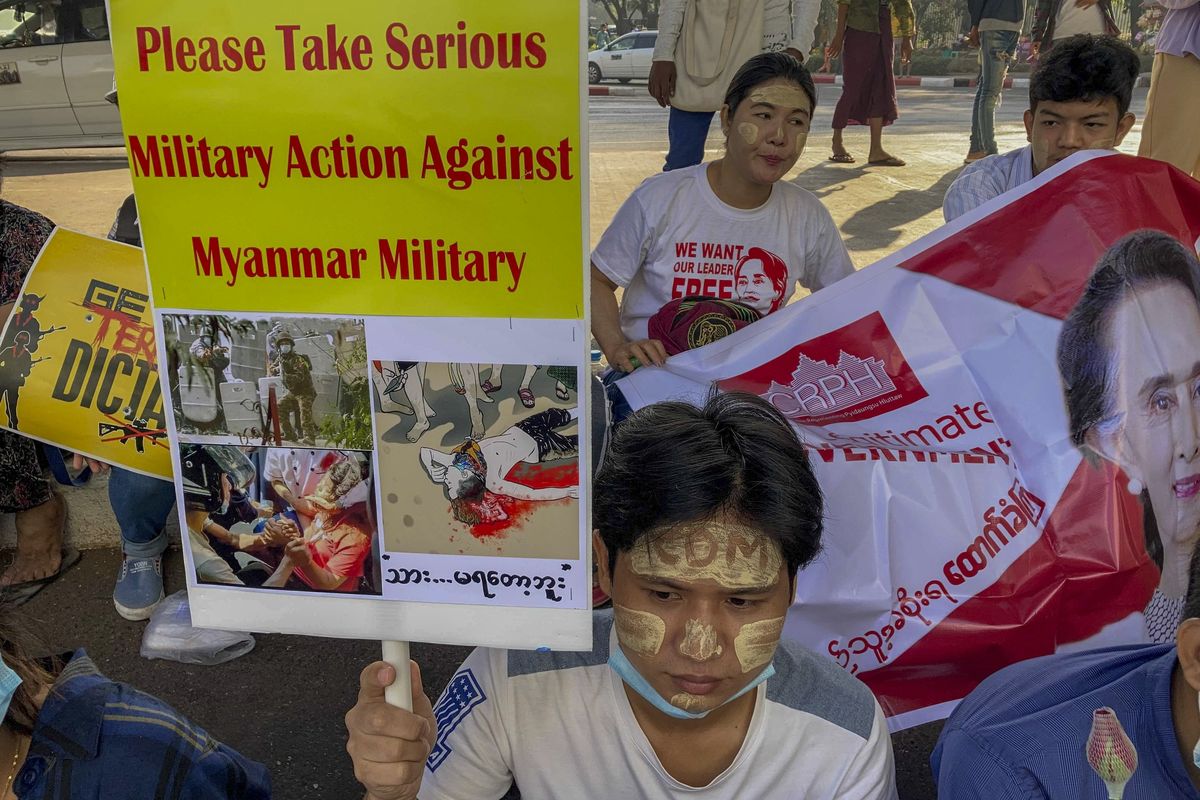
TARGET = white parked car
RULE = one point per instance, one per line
(624, 58)
(55, 68)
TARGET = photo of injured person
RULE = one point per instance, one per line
(267, 518)
(478, 459)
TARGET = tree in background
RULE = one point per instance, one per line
(938, 21)
(624, 13)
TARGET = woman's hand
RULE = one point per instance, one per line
(835, 47)
(646, 351)
(78, 462)
(297, 551)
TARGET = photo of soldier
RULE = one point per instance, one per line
(21, 339)
(277, 381)
(296, 371)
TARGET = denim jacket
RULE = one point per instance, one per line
(95, 738)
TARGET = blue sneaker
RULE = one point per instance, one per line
(139, 588)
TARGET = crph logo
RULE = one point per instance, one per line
(818, 387)
(852, 373)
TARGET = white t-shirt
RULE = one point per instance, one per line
(674, 238)
(1072, 20)
(561, 726)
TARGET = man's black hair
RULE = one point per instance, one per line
(764, 67)
(1086, 68)
(673, 463)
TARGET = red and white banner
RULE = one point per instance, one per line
(964, 530)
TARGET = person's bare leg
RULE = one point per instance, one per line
(474, 394)
(839, 150)
(414, 387)
(39, 542)
(494, 377)
(877, 151)
(530, 369)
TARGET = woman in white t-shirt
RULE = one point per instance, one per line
(713, 229)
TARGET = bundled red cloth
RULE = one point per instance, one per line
(691, 322)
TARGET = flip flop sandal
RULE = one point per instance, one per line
(561, 392)
(488, 387)
(526, 397)
(842, 158)
(19, 593)
(888, 162)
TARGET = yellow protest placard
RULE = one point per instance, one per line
(77, 356)
(381, 158)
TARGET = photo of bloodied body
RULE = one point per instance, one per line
(478, 459)
(275, 518)
(269, 380)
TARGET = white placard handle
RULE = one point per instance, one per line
(399, 694)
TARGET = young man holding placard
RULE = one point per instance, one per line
(703, 518)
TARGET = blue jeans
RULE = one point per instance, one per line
(618, 406)
(141, 505)
(686, 132)
(997, 50)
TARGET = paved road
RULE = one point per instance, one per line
(622, 124)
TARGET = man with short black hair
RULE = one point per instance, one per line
(1026, 732)
(1079, 99)
(703, 518)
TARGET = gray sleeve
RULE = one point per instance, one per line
(670, 22)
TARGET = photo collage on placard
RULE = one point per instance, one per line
(274, 431)
(478, 459)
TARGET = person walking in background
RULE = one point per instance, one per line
(1055, 20)
(995, 28)
(903, 63)
(1173, 107)
(697, 55)
(864, 40)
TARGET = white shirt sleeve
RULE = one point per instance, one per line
(826, 261)
(670, 22)
(977, 184)
(804, 24)
(871, 775)
(472, 756)
(622, 249)
(277, 465)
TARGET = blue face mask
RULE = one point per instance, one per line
(9, 681)
(634, 680)
(1196, 754)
